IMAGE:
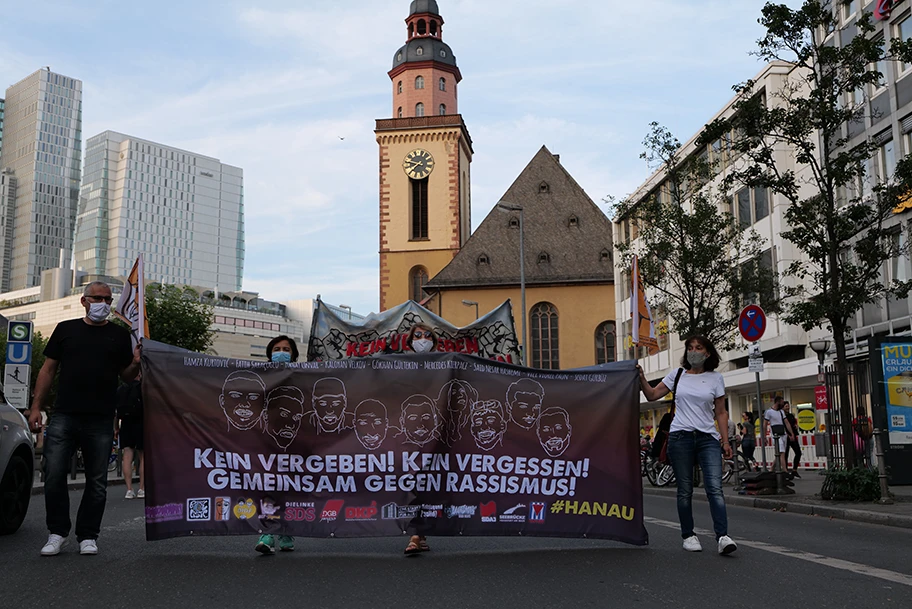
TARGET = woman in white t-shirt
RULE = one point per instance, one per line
(693, 438)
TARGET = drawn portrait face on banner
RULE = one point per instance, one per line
(284, 411)
(242, 399)
(371, 424)
(418, 420)
(456, 399)
(524, 400)
(329, 403)
(488, 422)
(554, 431)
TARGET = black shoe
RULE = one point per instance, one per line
(795, 474)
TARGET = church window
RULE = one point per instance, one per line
(605, 342)
(419, 209)
(400, 112)
(419, 109)
(605, 255)
(543, 326)
(422, 27)
(514, 222)
(399, 87)
(418, 278)
(573, 221)
(442, 109)
(399, 57)
(442, 84)
(419, 51)
(442, 53)
(419, 82)
(484, 260)
(433, 27)
(544, 258)
(544, 188)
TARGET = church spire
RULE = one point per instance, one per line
(424, 71)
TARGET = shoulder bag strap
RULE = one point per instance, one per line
(674, 390)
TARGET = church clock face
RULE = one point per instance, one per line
(418, 164)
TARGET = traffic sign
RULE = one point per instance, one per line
(752, 323)
(755, 364)
(820, 398)
(18, 353)
(807, 420)
(16, 381)
(19, 332)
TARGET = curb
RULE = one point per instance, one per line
(77, 485)
(806, 509)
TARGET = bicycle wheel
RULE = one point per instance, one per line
(728, 469)
(652, 472)
(666, 476)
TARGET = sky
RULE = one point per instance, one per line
(273, 87)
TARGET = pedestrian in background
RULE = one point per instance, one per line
(281, 349)
(693, 438)
(779, 427)
(130, 429)
(793, 443)
(748, 439)
(863, 430)
(89, 353)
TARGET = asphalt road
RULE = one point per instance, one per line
(784, 560)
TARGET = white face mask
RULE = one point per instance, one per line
(99, 311)
(422, 345)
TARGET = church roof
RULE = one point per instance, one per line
(431, 49)
(567, 238)
(424, 6)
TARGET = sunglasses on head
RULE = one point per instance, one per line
(420, 334)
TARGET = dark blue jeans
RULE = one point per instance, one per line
(95, 436)
(685, 448)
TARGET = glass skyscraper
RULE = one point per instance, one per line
(42, 152)
(183, 211)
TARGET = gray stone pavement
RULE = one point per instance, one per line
(806, 500)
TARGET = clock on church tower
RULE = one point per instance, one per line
(425, 153)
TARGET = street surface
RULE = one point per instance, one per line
(783, 560)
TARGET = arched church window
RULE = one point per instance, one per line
(441, 84)
(442, 109)
(419, 82)
(419, 109)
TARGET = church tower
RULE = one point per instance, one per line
(425, 152)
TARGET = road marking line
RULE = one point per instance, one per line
(819, 559)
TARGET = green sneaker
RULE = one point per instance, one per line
(286, 543)
(266, 545)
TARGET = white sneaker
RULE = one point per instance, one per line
(88, 547)
(726, 545)
(692, 544)
(53, 545)
(129, 495)
(140, 494)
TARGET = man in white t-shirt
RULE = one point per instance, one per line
(780, 428)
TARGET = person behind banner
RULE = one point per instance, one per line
(693, 437)
(281, 349)
(130, 427)
(793, 444)
(422, 339)
(90, 353)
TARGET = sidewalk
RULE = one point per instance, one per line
(806, 500)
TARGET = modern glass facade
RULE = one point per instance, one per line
(42, 146)
(183, 211)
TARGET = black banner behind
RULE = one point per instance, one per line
(442, 444)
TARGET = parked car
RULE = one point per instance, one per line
(17, 464)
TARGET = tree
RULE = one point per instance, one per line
(837, 216)
(695, 257)
(177, 317)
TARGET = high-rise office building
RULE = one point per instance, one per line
(183, 211)
(42, 148)
(2, 106)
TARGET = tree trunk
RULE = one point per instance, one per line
(845, 407)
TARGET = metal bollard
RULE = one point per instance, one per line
(885, 498)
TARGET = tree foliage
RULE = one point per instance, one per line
(837, 215)
(699, 262)
(177, 317)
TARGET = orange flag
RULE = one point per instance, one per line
(643, 328)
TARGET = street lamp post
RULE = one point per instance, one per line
(522, 273)
(820, 347)
(347, 308)
(471, 303)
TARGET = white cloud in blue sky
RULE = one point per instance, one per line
(272, 87)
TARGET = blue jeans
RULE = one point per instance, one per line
(685, 448)
(95, 436)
